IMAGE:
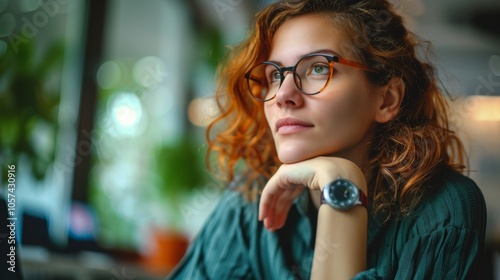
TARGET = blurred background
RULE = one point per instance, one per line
(103, 108)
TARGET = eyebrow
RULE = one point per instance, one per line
(320, 51)
(323, 51)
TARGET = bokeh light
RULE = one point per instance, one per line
(109, 75)
(202, 111)
(126, 113)
(149, 72)
(484, 108)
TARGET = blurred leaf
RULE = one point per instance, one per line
(180, 167)
(27, 99)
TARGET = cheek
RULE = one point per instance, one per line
(351, 106)
(344, 101)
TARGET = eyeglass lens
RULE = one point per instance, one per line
(311, 75)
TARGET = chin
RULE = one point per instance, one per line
(294, 156)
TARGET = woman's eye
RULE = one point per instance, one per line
(274, 77)
(320, 70)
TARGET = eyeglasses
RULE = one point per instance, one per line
(311, 75)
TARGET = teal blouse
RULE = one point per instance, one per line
(443, 239)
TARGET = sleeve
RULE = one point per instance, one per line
(218, 251)
(445, 241)
(447, 253)
(370, 274)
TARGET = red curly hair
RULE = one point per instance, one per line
(406, 152)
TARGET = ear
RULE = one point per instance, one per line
(390, 98)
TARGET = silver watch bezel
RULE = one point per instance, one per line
(336, 203)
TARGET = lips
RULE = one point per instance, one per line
(291, 125)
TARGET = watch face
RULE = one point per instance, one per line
(343, 194)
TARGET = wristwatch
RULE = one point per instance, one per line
(343, 195)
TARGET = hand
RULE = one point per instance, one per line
(291, 179)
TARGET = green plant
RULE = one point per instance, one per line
(29, 102)
(180, 168)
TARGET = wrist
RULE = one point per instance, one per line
(341, 243)
(339, 167)
(343, 195)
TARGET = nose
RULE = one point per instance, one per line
(288, 94)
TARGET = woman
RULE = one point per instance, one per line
(335, 138)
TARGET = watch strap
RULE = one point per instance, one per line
(363, 199)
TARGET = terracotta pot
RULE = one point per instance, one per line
(166, 249)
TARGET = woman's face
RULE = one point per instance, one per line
(339, 120)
